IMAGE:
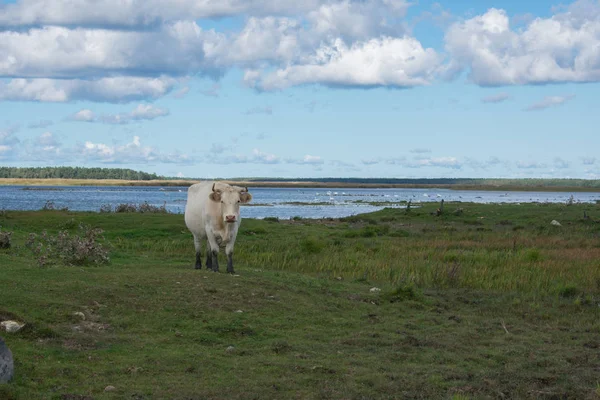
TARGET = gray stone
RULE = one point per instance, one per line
(6, 363)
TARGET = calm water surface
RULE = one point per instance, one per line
(269, 202)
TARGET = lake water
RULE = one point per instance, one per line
(270, 202)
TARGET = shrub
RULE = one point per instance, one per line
(67, 249)
(5, 240)
(403, 292)
(50, 206)
(145, 207)
(271, 219)
(125, 208)
(568, 291)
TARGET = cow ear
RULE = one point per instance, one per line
(245, 197)
(215, 196)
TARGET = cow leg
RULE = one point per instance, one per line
(214, 250)
(229, 252)
(208, 256)
(198, 247)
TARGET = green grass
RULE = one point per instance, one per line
(469, 308)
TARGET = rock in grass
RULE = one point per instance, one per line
(11, 326)
(374, 290)
(555, 223)
(6, 363)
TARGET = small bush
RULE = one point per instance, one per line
(271, 219)
(67, 249)
(403, 292)
(145, 207)
(5, 240)
(50, 206)
(125, 208)
(568, 291)
(311, 245)
(297, 218)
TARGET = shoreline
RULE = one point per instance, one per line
(288, 184)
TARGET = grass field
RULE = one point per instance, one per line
(484, 301)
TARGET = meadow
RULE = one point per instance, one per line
(478, 301)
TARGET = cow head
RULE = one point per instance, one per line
(230, 197)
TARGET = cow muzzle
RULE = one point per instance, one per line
(230, 218)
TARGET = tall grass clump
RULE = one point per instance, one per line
(66, 249)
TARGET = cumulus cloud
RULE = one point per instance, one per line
(114, 89)
(306, 160)
(549, 101)
(141, 112)
(70, 50)
(56, 52)
(442, 162)
(136, 13)
(84, 115)
(386, 61)
(131, 153)
(561, 48)
(496, 98)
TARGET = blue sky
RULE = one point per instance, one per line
(321, 88)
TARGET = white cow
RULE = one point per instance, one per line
(213, 212)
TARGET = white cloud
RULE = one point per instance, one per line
(359, 19)
(442, 162)
(137, 13)
(130, 153)
(306, 160)
(141, 112)
(496, 98)
(562, 48)
(259, 157)
(549, 101)
(84, 115)
(56, 52)
(386, 61)
(117, 89)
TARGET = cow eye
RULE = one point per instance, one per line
(238, 201)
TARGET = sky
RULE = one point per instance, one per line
(313, 88)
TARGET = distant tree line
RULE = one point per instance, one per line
(76, 173)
